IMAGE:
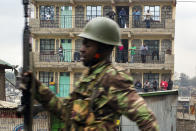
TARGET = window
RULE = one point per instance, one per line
(46, 45)
(93, 11)
(78, 44)
(46, 77)
(46, 12)
(151, 77)
(155, 10)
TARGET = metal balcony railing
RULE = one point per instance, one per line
(69, 55)
(142, 22)
(68, 21)
(79, 21)
(150, 57)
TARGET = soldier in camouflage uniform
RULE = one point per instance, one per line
(104, 92)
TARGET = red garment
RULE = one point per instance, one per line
(164, 85)
(121, 48)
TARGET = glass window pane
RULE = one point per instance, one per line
(88, 8)
(94, 13)
(98, 7)
(156, 13)
(151, 8)
(157, 8)
(98, 13)
(94, 8)
(146, 8)
(88, 13)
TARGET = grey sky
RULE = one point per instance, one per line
(11, 25)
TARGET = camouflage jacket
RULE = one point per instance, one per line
(102, 95)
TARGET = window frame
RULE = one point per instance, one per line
(152, 10)
(43, 16)
(91, 15)
(47, 42)
(47, 77)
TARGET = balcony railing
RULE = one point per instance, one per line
(70, 21)
(142, 22)
(69, 55)
(150, 57)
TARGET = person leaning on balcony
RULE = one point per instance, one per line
(155, 85)
(132, 50)
(155, 52)
(104, 92)
(122, 17)
(60, 52)
(138, 86)
(144, 50)
(148, 18)
(121, 54)
(111, 14)
(168, 51)
(146, 86)
(136, 17)
(170, 84)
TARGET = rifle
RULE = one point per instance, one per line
(28, 90)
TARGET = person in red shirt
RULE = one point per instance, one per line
(162, 84)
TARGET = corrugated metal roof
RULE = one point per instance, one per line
(5, 65)
(5, 104)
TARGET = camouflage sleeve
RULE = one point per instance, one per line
(126, 101)
(50, 102)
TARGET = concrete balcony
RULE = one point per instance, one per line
(70, 60)
(168, 64)
(73, 25)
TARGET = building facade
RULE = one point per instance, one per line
(56, 23)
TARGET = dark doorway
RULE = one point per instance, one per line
(122, 20)
(122, 54)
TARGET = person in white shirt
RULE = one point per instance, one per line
(148, 18)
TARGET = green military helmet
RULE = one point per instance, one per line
(103, 30)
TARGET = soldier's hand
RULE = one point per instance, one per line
(27, 79)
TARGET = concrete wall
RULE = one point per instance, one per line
(164, 109)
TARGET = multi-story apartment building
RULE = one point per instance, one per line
(56, 23)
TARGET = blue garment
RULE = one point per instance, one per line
(137, 14)
(122, 16)
(122, 13)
